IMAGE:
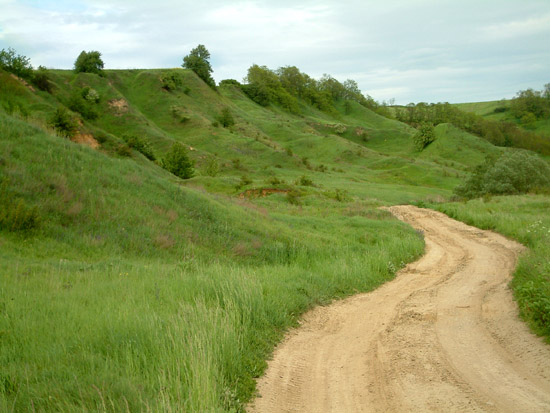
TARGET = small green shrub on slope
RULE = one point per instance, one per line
(177, 162)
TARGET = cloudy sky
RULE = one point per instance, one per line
(409, 50)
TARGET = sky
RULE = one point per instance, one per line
(402, 51)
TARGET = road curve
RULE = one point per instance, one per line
(443, 336)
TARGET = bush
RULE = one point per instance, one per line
(171, 81)
(41, 79)
(226, 118)
(212, 167)
(140, 145)
(304, 181)
(424, 136)
(512, 173)
(84, 102)
(178, 163)
(63, 123)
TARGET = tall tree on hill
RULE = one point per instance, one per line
(89, 62)
(198, 61)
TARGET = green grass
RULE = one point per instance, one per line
(134, 290)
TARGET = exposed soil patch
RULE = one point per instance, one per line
(443, 336)
(86, 139)
(119, 106)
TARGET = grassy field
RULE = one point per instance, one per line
(125, 288)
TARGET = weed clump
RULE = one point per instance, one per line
(15, 214)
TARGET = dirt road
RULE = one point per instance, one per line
(443, 336)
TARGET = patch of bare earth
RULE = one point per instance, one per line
(443, 336)
(86, 139)
(119, 106)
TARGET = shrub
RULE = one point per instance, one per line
(293, 197)
(424, 136)
(212, 167)
(178, 163)
(140, 145)
(63, 123)
(84, 102)
(41, 79)
(304, 181)
(171, 81)
(511, 173)
(226, 118)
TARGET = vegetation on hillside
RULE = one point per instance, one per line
(157, 236)
(497, 132)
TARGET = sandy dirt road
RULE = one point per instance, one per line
(443, 336)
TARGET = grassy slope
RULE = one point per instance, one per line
(486, 109)
(146, 292)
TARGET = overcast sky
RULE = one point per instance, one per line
(412, 51)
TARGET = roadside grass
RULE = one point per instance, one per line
(136, 292)
(524, 218)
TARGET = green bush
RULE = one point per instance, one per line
(178, 163)
(63, 122)
(171, 81)
(512, 173)
(424, 136)
(212, 167)
(140, 145)
(226, 118)
(41, 79)
(84, 102)
(304, 181)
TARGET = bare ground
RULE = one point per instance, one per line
(443, 336)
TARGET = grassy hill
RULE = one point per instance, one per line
(126, 288)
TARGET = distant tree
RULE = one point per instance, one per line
(89, 62)
(177, 162)
(230, 82)
(198, 61)
(15, 63)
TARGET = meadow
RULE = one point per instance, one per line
(126, 288)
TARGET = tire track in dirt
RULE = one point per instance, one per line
(444, 335)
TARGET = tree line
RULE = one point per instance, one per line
(499, 133)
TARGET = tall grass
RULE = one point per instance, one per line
(138, 294)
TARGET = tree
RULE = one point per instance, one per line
(178, 163)
(14, 63)
(89, 62)
(198, 61)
